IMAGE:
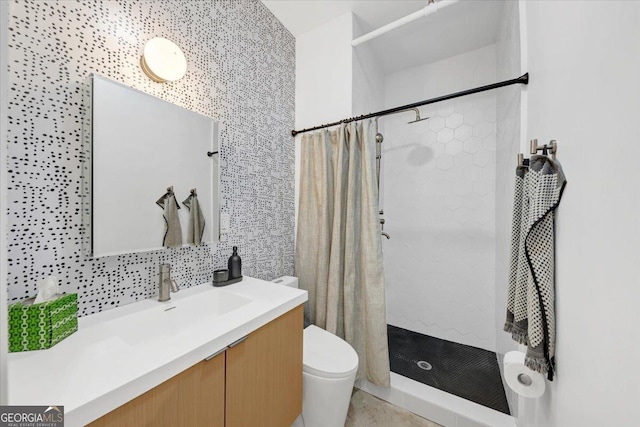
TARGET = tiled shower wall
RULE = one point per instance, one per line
(508, 108)
(509, 142)
(438, 189)
(241, 63)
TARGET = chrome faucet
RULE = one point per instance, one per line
(166, 285)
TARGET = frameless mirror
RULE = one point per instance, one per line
(136, 146)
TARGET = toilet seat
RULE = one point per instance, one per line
(326, 355)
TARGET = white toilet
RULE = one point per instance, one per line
(329, 371)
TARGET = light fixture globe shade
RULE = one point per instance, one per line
(163, 61)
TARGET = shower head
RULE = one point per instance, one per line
(418, 119)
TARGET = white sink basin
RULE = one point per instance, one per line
(174, 317)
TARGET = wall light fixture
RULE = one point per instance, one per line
(163, 61)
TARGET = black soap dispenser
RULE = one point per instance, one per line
(235, 265)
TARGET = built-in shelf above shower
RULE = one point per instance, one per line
(459, 28)
(439, 36)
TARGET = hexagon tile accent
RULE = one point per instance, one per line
(439, 203)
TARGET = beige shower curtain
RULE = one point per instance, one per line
(338, 248)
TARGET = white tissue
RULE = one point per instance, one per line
(47, 290)
(519, 378)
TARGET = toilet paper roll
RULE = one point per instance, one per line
(521, 379)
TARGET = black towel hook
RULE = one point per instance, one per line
(211, 153)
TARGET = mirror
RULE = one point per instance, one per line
(136, 146)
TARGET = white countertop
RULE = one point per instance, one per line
(118, 354)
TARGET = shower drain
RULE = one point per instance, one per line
(424, 365)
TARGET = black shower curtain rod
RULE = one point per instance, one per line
(524, 79)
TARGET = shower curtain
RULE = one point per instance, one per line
(338, 248)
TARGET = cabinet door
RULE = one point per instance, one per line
(264, 375)
(194, 397)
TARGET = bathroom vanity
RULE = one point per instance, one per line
(209, 356)
(256, 381)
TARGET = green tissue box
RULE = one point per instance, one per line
(41, 326)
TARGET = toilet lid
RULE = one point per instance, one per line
(326, 355)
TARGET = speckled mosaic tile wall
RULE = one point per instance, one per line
(241, 70)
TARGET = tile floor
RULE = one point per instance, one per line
(366, 410)
(465, 371)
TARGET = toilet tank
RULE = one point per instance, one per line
(293, 283)
(287, 281)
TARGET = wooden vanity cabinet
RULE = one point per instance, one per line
(264, 375)
(194, 397)
(257, 382)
